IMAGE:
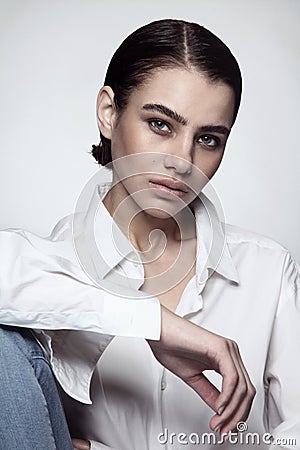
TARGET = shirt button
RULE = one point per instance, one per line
(163, 385)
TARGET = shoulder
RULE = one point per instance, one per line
(59, 230)
(237, 236)
(264, 257)
(62, 229)
(258, 250)
(27, 243)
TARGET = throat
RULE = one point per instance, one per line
(172, 297)
(167, 276)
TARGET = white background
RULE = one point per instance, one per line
(53, 57)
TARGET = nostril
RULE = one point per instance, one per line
(180, 165)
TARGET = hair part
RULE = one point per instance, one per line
(166, 43)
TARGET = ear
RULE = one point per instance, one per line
(106, 111)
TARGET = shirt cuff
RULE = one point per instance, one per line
(98, 446)
(139, 317)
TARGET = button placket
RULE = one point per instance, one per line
(163, 382)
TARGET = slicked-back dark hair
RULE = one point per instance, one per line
(167, 43)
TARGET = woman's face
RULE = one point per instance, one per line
(172, 134)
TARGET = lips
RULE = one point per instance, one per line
(170, 186)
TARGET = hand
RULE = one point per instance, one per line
(187, 350)
(79, 444)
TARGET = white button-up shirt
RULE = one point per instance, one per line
(126, 400)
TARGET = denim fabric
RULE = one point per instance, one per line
(31, 415)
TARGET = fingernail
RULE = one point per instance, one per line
(218, 428)
(220, 410)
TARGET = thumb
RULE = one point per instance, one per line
(206, 390)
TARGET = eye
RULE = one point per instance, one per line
(209, 141)
(159, 126)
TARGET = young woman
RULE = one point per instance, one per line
(170, 98)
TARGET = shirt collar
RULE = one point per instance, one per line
(108, 245)
(212, 250)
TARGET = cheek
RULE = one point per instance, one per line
(127, 140)
(119, 146)
(209, 162)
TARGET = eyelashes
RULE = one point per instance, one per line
(209, 141)
(159, 125)
(162, 128)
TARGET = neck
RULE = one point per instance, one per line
(145, 229)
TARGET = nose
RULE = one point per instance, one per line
(178, 164)
(179, 158)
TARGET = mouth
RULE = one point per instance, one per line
(169, 186)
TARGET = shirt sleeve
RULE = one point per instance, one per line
(42, 287)
(282, 414)
(98, 446)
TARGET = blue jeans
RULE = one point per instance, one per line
(31, 415)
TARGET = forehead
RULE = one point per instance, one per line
(189, 92)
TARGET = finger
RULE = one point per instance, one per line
(240, 403)
(234, 386)
(240, 416)
(242, 411)
(243, 368)
(80, 444)
(230, 379)
(206, 390)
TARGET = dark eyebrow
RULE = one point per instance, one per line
(180, 119)
(166, 111)
(214, 129)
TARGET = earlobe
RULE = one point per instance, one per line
(106, 111)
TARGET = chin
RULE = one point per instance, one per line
(158, 213)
